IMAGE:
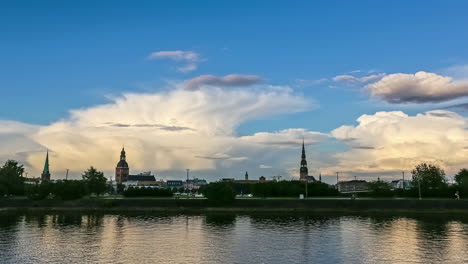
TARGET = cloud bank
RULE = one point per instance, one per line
(197, 128)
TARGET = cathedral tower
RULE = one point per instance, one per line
(122, 170)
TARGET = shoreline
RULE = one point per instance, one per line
(142, 205)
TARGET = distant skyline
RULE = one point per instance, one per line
(225, 87)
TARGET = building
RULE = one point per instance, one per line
(174, 184)
(122, 171)
(245, 180)
(399, 184)
(303, 170)
(228, 179)
(195, 183)
(142, 179)
(352, 186)
(45, 176)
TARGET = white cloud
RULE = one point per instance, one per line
(389, 142)
(190, 58)
(264, 167)
(165, 131)
(421, 87)
(231, 80)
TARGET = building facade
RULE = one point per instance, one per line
(142, 179)
(195, 184)
(174, 184)
(122, 171)
(400, 184)
(352, 186)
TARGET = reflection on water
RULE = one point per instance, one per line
(230, 238)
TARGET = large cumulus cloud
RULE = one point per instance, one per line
(163, 131)
(389, 142)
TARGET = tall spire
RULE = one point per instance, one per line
(303, 150)
(45, 176)
(303, 171)
(46, 164)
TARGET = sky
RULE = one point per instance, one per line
(223, 87)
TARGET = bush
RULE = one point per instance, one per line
(64, 190)
(380, 189)
(140, 192)
(69, 190)
(291, 189)
(38, 191)
(219, 193)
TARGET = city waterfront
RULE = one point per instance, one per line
(231, 238)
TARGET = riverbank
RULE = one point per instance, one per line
(241, 205)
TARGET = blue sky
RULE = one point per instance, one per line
(59, 56)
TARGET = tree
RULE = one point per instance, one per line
(95, 180)
(430, 177)
(219, 193)
(461, 178)
(380, 188)
(11, 178)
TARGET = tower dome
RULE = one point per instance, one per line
(122, 162)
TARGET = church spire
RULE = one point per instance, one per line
(303, 171)
(46, 164)
(303, 150)
(45, 176)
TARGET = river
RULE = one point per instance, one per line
(228, 238)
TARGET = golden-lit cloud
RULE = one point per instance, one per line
(394, 141)
(170, 130)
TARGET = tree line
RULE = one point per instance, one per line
(428, 180)
(12, 182)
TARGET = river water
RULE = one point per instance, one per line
(226, 238)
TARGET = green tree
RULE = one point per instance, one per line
(380, 188)
(39, 191)
(11, 178)
(95, 180)
(461, 178)
(219, 193)
(69, 189)
(431, 178)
